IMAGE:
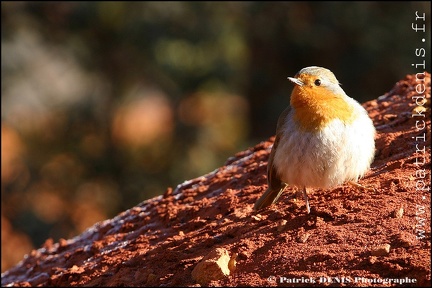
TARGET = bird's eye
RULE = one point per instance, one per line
(317, 82)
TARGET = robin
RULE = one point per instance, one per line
(325, 138)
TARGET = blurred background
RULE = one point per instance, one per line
(106, 104)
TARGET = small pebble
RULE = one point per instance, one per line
(281, 225)
(381, 250)
(302, 238)
(398, 213)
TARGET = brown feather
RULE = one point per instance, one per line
(275, 185)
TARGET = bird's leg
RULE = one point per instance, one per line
(306, 200)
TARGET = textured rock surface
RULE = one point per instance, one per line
(161, 241)
(212, 267)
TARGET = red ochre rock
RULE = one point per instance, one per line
(214, 266)
(162, 240)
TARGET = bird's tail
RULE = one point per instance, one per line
(269, 197)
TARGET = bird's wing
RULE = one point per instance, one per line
(275, 185)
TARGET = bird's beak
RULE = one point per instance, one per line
(296, 81)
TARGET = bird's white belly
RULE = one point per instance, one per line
(336, 154)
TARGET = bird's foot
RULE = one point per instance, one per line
(365, 187)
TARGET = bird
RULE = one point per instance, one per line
(323, 139)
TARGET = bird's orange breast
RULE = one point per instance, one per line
(315, 107)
